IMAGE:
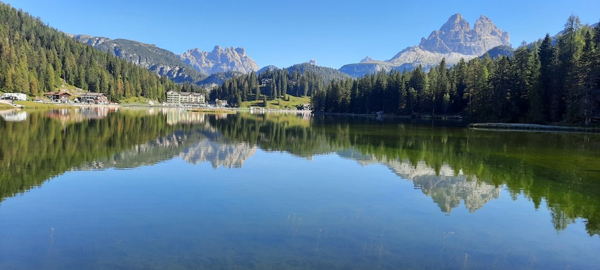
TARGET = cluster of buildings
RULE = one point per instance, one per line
(65, 97)
(186, 99)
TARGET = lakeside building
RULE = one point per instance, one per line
(95, 98)
(14, 96)
(59, 96)
(185, 98)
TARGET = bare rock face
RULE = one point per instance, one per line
(454, 41)
(90, 40)
(220, 60)
(367, 59)
(418, 56)
(457, 36)
(361, 69)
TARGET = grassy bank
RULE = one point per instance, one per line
(212, 111)
(4, 106)
(290, 104)
(37, 105)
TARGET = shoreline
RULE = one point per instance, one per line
(530, 127)
(394, 116)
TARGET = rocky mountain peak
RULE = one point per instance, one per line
(90, 40)
(367, 59)
(455, 40)
(456, 22)
(241, 51)
(457, 36)
(220, 60)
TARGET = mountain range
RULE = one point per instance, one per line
(161, 61)
(454, 41)
(194, 66)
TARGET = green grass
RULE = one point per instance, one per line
(213, 111)
(292, 104)
(136, 100)
(69, 88)
(4, 106)
(36, 105)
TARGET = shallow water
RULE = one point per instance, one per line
(165, 189)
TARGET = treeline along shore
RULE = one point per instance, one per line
(552, 81)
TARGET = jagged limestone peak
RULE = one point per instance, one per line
(220, 60)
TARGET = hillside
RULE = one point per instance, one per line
(158, 60)
(281, 85)
(35, 57)
(325, 73)
(219, 78)
(501, 50)
(205, 69)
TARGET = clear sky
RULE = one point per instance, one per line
(284, 32)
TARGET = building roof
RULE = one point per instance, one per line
(185, 93)
(190, 94)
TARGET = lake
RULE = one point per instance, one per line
(96, 188)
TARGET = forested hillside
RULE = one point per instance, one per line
(271, 83)
(158, 60)
(540, 83)
(34, 58)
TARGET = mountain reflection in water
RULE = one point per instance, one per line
(450, 165)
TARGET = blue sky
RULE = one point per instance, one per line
(284, 33)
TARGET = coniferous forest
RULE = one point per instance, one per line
(549, 81)
(299, 80)
(35, 58)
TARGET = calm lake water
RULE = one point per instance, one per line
(166, 189)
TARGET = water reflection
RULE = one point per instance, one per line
(181, 116)
(80, 114)
(450, 165)
(447, 187)
(219, 154)
(13, 115)
(194, 147)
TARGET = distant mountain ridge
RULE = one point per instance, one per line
(501, 50)
(161, 61)
(326, 74)
(195, 66)
(455, 40)
(269, 67)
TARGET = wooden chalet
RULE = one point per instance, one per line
(60, 96)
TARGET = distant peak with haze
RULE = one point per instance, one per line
(454, 40)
